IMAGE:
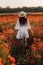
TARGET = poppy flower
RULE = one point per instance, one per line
(6, 50)
(32, 62)
(27, 57)
(5, 44)
(1, 64)
(15, 41)
(42, 49)
(12, 64)
(0, 59)
(0, 33)
(34, 48)
(11, 59)
(34, 39)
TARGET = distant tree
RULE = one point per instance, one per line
(26, 9)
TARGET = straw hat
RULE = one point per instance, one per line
(22, 14)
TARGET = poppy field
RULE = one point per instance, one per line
(12, 50)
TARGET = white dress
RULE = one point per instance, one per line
(22, 30)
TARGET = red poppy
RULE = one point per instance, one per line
(27, 57)
(0, 34)
(38, 40)
(37, 45)
(32, 62)
(34, 39)
(5, 44)
(3, 37)
(11, 59)
(12, 64)
(34, 48)
(42, 49)
(15, 41)
(1, 64)
(6, 50)
(41, 28)
(0, 59)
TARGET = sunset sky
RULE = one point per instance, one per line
(21, 3)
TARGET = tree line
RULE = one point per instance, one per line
(26, 9)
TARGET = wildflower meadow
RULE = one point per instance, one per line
(12, 52)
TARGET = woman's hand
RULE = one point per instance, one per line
(31, 32)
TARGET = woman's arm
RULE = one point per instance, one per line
(31, 32)
(17, 26)
(30, 29)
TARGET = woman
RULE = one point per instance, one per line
(23, 27)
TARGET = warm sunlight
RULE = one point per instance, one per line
(21, 3)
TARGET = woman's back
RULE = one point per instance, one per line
(22, 21)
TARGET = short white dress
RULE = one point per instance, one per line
(22, 30)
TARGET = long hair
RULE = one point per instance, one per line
(23, 21)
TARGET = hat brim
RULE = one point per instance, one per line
(22, 14)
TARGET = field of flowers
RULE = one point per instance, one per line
(12, 52)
